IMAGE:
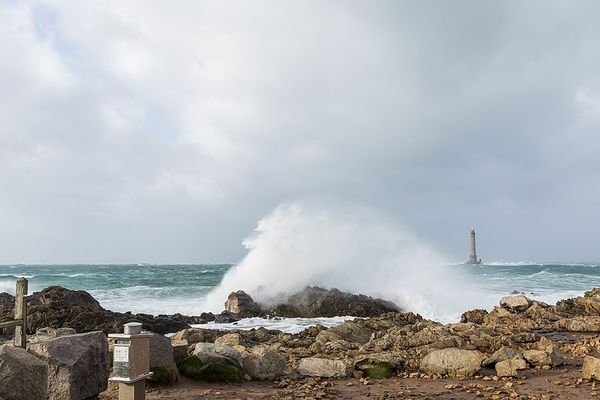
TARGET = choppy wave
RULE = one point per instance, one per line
(288, 325)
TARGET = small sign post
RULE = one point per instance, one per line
(131, 361)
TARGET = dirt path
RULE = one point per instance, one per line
(562, 383)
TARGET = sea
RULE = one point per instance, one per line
(183, 288)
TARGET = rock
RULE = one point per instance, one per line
(588, 304)
(504, 353)
(591, 368)
(349, 331)
(242, 304)
(541, 358)
(57, 307)
(379, 365)
(226, 317)
(453, 362)
(518, 303)
(7, 301)
(322, 367)
(579, 324)
(180, 350)
(264, 363)
(210, 353)
(476, 316)
(509, 367)
(230, 339)
(22, 376)
(214, 363)
(49, 333)
(77, 365)
(162, 361)
(314, 302)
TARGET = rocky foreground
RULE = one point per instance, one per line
(521, 349)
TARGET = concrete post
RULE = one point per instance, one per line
(131, 361)
(21, 313)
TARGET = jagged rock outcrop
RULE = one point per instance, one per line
(57, 307)
(22, 376)
(242, 304)
(77, 365)
(317, 302)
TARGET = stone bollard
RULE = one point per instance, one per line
(131, 361)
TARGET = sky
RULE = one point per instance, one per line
(152, 131)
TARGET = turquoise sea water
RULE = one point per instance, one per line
(169, 289)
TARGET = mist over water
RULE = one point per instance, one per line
(351, 248)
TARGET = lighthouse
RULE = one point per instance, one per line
(473, 257)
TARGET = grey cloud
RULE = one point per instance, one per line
(145, 132)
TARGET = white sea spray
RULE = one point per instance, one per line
(348, 247)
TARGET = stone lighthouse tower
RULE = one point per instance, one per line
(473, 257)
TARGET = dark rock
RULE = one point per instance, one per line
(226, 317)
(57, 307)
(314, 302)
(6, 300)
(242, 304)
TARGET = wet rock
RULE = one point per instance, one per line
(517, 303)
(57, 307)
(510, 367)
(323, 367)
(591, 368)
(22, 376)
(264, 363)
(453, 362)
(314, 302)
(242, 304)
(226, 317)
(77, 365)
(349, 331)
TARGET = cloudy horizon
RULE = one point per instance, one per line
(146, 131)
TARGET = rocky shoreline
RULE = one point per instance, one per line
(515, 342)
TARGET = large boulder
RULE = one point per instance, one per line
(242, 304)
(162, 362)
(77, 365)
(22, 376)
(264, 363)
(322, 367)
(452, 362)
(591, 368)
(379, 365)
(588, 304)
(515, 303)
(314, 302)
(213, 362)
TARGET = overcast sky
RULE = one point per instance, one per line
(162, 131)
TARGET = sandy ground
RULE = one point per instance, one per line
(561, 383)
